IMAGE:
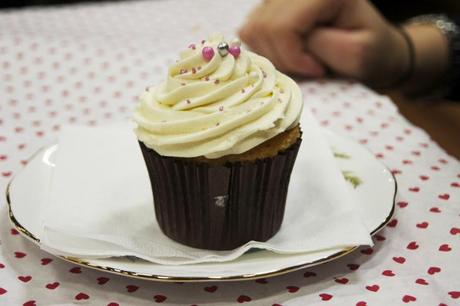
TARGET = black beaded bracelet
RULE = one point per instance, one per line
(408, 73)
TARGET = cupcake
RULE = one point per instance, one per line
(219, 138)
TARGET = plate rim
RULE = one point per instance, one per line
(170, 279)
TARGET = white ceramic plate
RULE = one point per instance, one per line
(373, 184)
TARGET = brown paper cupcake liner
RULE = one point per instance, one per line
(219, 207)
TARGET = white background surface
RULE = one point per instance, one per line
(87, 64)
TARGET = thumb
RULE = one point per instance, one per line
(342, 51)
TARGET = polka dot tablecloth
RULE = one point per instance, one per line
(86, 64)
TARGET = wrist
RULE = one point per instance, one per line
(431, 58)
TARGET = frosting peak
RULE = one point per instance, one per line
(216, 105)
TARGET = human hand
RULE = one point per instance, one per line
(308, 37)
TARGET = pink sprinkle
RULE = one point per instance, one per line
(235, 51)
(216, 81)
(208, 53)
(221, 108)
(192, 46)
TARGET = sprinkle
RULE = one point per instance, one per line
(281, 90)
(183, 84)
(183, 70)
(243, 91)
(235, 51)
(193, 70)
(207, 53)
(198, 68)
(188, 101)
(206, 78)
(203, 41)
(217, 124)
(147, 88)
(216, 81)
(192, 46)
(264, 74)
(221, 108)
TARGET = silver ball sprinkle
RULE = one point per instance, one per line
(222, 48)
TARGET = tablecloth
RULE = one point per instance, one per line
(86, 65)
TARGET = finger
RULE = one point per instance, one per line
(289, 49)
(255, 34)
(343, 51)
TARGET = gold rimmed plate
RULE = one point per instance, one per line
(373, 185)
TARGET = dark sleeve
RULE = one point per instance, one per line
(454, 69)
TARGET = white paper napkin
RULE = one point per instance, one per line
(101, 205)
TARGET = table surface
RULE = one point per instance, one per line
(86, 65)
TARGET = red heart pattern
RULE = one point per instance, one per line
(342, 280)
(159, 298)
(445, 248)
(421, 281)
(292, 289)
(309, 274)
(433, 270)
(81, 296)
(132, 288)
(243, 299)
(46, 261)
(367, 251)
(444, 196)
(455, 231)
(52, 286)
(75, 270)
(353, 267)
(373, 288)
(409, 298)
(412, 245)
(388, 273)
(210, 289)
(261, 281)
(454, 294)
(19, 254)
(30, 303)
(325, 296)
(102, 280)
(25, 278)
(422, 225)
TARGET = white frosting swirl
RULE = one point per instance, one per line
(216, 108)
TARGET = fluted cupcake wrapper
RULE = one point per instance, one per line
(219, 207)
